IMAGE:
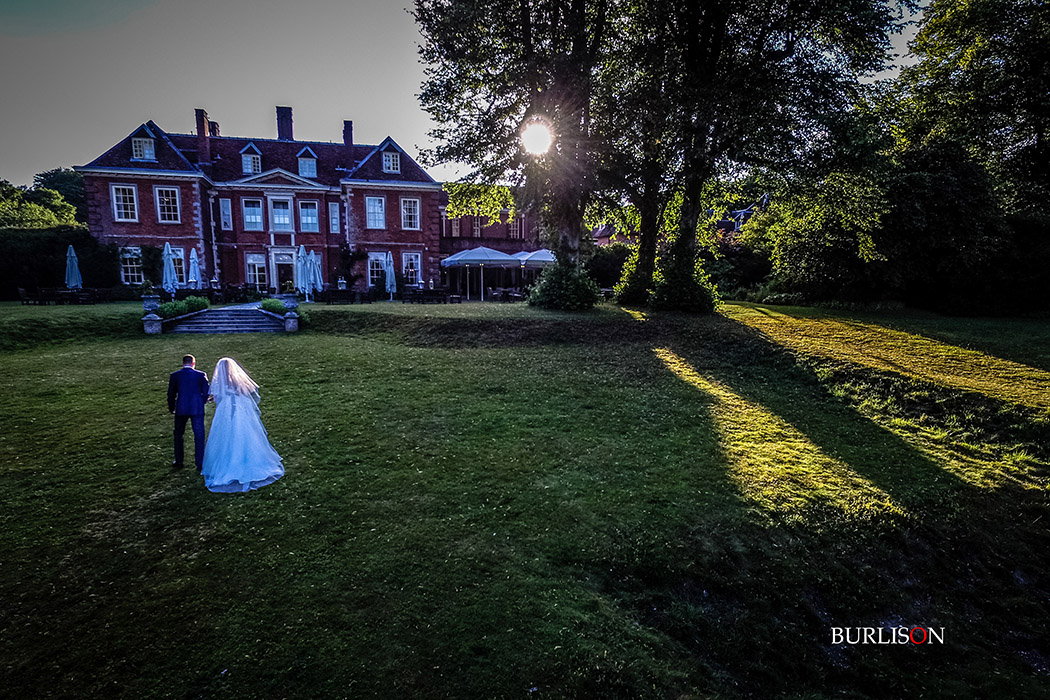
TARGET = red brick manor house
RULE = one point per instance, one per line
(247, 204)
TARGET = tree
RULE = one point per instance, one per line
(31, 209)
(757, 84)
(491, 66)
(982, 81)
(68, 183)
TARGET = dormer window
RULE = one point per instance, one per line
(142, 149)
(251, 163)
(307, 163)
(391, 162)
(251, 160)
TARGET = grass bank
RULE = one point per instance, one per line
(482, 501)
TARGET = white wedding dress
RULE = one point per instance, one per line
(238, 456)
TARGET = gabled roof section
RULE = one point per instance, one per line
(308, 151)
(278, 177)
(371, 166)
(143, 132)
(251, 148)
(168, 156)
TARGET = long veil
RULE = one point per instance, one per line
(230, 378)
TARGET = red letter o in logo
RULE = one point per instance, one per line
(911, 635)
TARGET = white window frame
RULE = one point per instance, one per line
(405, 258)
(244, 215)
(381, 212)
(316, 225)
(131, 274)
(454, 227)
(375, 257)
(226, 214)
(178, 204)
(251, 163)
(514, 227)
(391, 162)
(406, 217)
(251, 268)
(333, 217)
(134, 190)
(310, 169)
(274, 227)
(143, 149)
(476, 224)
(178, 256)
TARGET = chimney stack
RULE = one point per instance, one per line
(284, 124)
(213, 128)
(203, 137)
(348, 133)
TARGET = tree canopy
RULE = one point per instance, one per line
(982, 81)
(39, 207)
(648, 100)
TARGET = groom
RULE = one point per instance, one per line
(187, 394)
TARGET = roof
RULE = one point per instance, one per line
(177, 153)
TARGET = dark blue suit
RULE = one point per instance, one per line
(187, 393)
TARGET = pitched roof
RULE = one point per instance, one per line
(335, 161)
(371, 166)
(167, 156)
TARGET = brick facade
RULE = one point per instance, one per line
(247, 205)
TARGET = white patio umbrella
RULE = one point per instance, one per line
(302, 271)
(480, 256)
(73, 279)
(193, 281)
(169, 281)
(537, 258)
(316, 274)
(391, 280)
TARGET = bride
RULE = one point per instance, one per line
(238, 456)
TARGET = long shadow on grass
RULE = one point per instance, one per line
(755, 609)
(912, 480)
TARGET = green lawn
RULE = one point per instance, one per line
(489, 501)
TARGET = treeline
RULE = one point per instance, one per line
(36, 258)
(929, 188)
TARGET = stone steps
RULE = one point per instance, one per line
(229, 321)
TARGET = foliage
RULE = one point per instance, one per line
(563, 286)
(605, 265)
(171, 309)
(152, 262)
(944, 231)
(472, 199)
(35, 258)
(527, 60)
(241, 295)
(820, 235)
(633, 287)
(348, 260)
(37, 208)
(68, 183)
(274, 306)
(981, 81)
(681, 284)
(194, 303)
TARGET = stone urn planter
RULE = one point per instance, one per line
(150, 302)
(291, 300)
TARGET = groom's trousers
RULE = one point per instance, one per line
(197, 423)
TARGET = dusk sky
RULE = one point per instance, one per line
(80, 75)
